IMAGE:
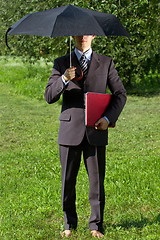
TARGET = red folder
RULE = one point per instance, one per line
(95, 105)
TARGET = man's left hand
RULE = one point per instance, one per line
(101, 124)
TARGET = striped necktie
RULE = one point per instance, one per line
(84, 65)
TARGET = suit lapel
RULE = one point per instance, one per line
(95, 63)
(93, 70)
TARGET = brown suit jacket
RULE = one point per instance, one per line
(72, 118)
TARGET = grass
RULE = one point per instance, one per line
(30, 168)
(27, 79)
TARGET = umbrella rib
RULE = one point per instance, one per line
(24, 18)
(53, 27)
(57, 18)
(100, 26)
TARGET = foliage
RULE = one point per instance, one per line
(133, 57)
(31, 178)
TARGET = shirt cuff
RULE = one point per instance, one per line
(107, 119)
(66, 83)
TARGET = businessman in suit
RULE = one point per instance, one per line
(74, 137)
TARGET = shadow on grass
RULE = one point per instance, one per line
(144, 90)
(137, 224)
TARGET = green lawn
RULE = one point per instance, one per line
(30, 169)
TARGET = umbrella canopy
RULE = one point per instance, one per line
(68, 20)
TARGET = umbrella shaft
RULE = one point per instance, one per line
(70, 51)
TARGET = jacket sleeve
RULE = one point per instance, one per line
(55, 86)
(118, 91)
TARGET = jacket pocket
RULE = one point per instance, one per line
(65, 117)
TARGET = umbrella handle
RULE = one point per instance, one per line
(79, 78)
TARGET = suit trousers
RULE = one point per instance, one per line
(94, 160)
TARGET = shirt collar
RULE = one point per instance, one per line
(87, 54)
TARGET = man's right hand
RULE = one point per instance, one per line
(69, 74)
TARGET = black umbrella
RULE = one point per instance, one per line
(68, 20)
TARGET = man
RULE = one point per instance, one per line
(74, 137)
